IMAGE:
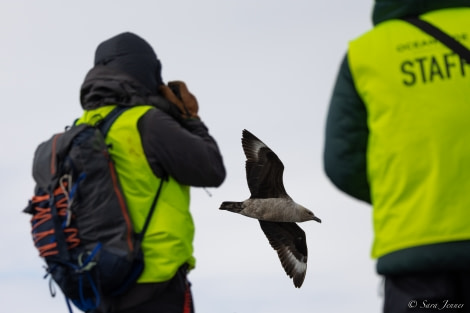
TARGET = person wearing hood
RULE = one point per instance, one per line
(397, 137)
(159, 137)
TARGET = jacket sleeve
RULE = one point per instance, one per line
(346, 138)
(189, 154)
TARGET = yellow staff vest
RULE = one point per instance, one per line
(417, 95)
(168, 240)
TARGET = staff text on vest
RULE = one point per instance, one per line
(428, 69)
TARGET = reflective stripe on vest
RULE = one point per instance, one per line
(416, 92)
(168, 240)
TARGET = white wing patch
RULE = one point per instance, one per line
(256, 146)
(294, 267)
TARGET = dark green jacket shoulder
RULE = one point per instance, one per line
(390, 9)
(344, 156)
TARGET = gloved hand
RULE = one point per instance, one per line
(177, 93)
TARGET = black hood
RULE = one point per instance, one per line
(104, 85)
(132, 55)
(391, 9)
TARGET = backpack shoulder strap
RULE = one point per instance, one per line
(104, 127)
(437, 33)
(108, 121)
(139, 237)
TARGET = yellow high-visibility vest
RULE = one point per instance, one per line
(417, 95)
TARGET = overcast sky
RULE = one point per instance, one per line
(264, 65)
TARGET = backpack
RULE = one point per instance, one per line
(80, 222)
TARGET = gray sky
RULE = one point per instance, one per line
(267, 66)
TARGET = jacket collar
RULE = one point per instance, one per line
(392, 9)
